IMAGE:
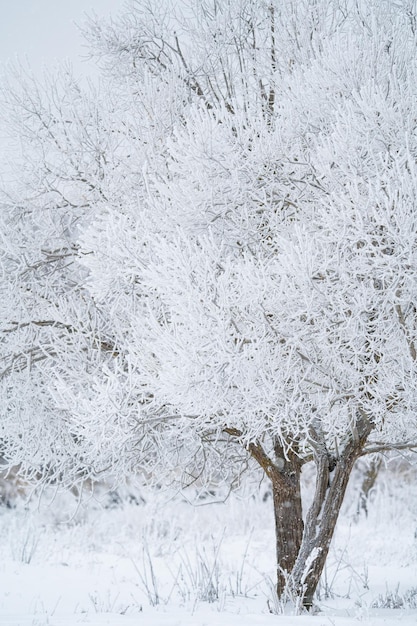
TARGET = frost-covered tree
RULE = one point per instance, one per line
(64, 149)
(244, 273)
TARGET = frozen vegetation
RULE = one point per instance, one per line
(208, 275)
(161, 561)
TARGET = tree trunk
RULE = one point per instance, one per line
(368, 482)
(288, 517)
(319, 533)
(331, 483)
(302, 549)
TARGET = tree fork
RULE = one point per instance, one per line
(284, 473)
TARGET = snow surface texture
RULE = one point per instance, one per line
(160, 561)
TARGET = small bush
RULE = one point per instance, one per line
(395, 600)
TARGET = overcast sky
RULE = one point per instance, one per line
(44, 31)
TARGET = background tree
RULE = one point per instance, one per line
(252, 270)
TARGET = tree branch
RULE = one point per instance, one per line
(386, 447)
(258, 453)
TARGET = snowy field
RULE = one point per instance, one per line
(161, 561)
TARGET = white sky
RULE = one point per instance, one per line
(44, 31)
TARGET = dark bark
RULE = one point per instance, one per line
(319, 531)
(288, 515)
(284, 472)
(331, 483)
(301, 548)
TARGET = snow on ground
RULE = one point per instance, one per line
(163, 562)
